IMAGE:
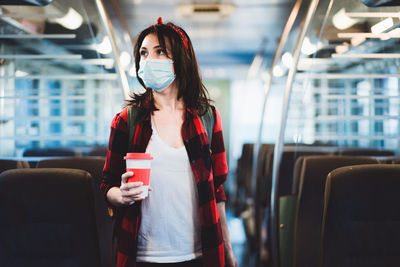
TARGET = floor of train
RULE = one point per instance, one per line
(238, 240)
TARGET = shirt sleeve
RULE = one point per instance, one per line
(218, 158)
(117, 148)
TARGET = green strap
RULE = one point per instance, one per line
(208, 121)
(132, 114)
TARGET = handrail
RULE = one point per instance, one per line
(279, 143)
(284, 37)
(105, 19)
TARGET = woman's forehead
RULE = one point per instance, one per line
(151, 41)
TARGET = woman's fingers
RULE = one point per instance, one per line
(129, 186)
(126, 176)
(131, 200)
(131, 193)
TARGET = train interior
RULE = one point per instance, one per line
(309, 96)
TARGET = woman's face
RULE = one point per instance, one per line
(151, 49)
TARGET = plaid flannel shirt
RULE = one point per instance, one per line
(209, 169)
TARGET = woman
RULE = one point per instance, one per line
(182, 221)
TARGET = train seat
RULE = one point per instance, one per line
(390, 160)
(48, 218)
(94, 166)
(98, 151)
(12, 164)
(364, 152)
(310, 204)
(361, 217)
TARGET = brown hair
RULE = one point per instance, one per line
(190, 85)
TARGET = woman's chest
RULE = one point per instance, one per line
(168, 127)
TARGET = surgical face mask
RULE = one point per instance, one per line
(156, 73)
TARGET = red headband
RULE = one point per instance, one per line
(183, 37)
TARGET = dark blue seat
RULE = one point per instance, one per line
(361, 222)
(308, 220)
(94, 166)
(47, 219)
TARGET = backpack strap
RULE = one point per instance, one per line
(132, 115)
(208, 121)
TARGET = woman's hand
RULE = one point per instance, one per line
(122, 195)
(230, 260)
(128, 196)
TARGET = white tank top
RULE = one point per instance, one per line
(170, 226)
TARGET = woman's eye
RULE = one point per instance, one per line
(143, 53)
(161, 52)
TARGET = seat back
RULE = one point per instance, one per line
(310, 204)
(245, 168)
(47, 218)
(389, 160)
(94, 166)
(243, 178)
(361, 217)
(286, 169)
(98, 151)
(298, 166)
(263, 194)
(50, 152)
(364, 152)
(12, 164)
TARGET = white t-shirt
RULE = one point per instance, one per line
(170, 225)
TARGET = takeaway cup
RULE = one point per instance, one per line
(139, 164)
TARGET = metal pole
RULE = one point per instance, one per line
(285, 34)
(105, 19)
(279, 142)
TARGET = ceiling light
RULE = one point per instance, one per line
(308, 48)
(105, 46)
(72, 20)
(340, 49)
(277, 71)
(392, 34)
(204, 10)
(287, 59)
(376, 55)
(355, 41)
(373, 14)
(382, 26)
(342, 21)
(255, 66)
(20, 73)
(125, 59)
(109, 65)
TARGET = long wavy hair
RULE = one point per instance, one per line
(189, 83)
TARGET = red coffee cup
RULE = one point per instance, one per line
(139, 164)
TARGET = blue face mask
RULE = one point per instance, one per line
(156, 73)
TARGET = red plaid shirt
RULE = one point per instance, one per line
(209, 169)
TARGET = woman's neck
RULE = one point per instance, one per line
(167, 100)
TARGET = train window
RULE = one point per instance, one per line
(56, 87)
